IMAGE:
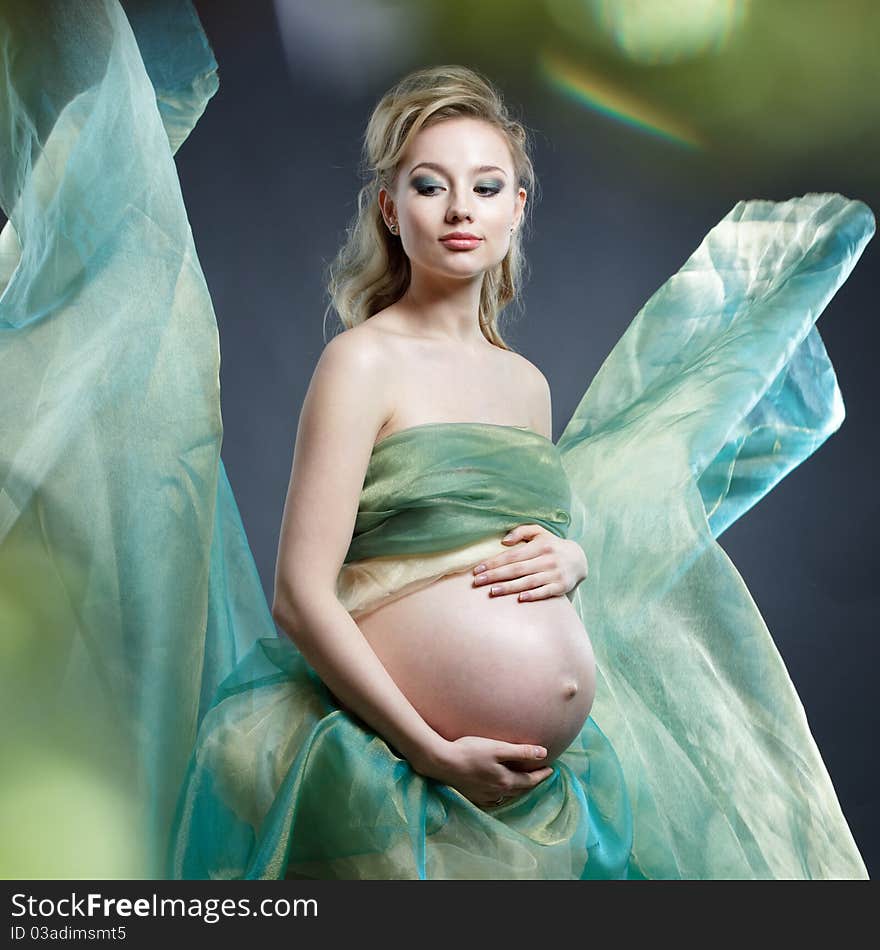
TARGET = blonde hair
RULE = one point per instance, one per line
(371, 270)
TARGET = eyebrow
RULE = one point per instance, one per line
(440, 168)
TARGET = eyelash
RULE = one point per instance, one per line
(490, 188)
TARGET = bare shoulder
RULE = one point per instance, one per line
(357, 348)
(346, 404)
(353, 371)
(349, 395)
(530, 372)
(535, 384)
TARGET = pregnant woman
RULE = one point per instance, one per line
(491, 674)
(429, 712)
(499, 656)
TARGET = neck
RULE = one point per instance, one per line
(448, 311)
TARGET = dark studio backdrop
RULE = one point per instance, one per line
(649, 122)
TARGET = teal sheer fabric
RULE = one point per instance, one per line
(144, 671)
(440, 485)
(117, 522)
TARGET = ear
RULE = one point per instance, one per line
(521, 198)
(386, 205)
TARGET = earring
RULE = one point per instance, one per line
(393, 229)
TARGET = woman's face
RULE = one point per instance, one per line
(468, 184)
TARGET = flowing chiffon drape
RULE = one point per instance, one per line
(117, 522)
(144, 668)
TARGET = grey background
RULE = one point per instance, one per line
(269, 178)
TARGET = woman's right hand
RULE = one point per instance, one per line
(477, 767)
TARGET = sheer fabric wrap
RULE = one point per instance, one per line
(136, 613)
(438, 498)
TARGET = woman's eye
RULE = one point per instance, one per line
(485, 190)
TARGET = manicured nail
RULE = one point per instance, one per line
(495, 590)
(507, 537)
(479, 569)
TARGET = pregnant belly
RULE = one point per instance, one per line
(472, 664)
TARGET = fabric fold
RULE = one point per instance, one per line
(111, 484)
(719, 387)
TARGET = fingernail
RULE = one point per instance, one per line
(495, 590)
(540, 753)
(479, 569)
(507, 537)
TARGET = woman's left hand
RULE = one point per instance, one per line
(544, 566)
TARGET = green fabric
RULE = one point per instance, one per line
(436, 486)
(143, 670)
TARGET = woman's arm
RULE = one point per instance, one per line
(346, 405)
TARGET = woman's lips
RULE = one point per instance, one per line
(460, 244)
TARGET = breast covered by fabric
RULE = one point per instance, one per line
(438, 498)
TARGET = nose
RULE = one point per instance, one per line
(458, 211)
(457, 216)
